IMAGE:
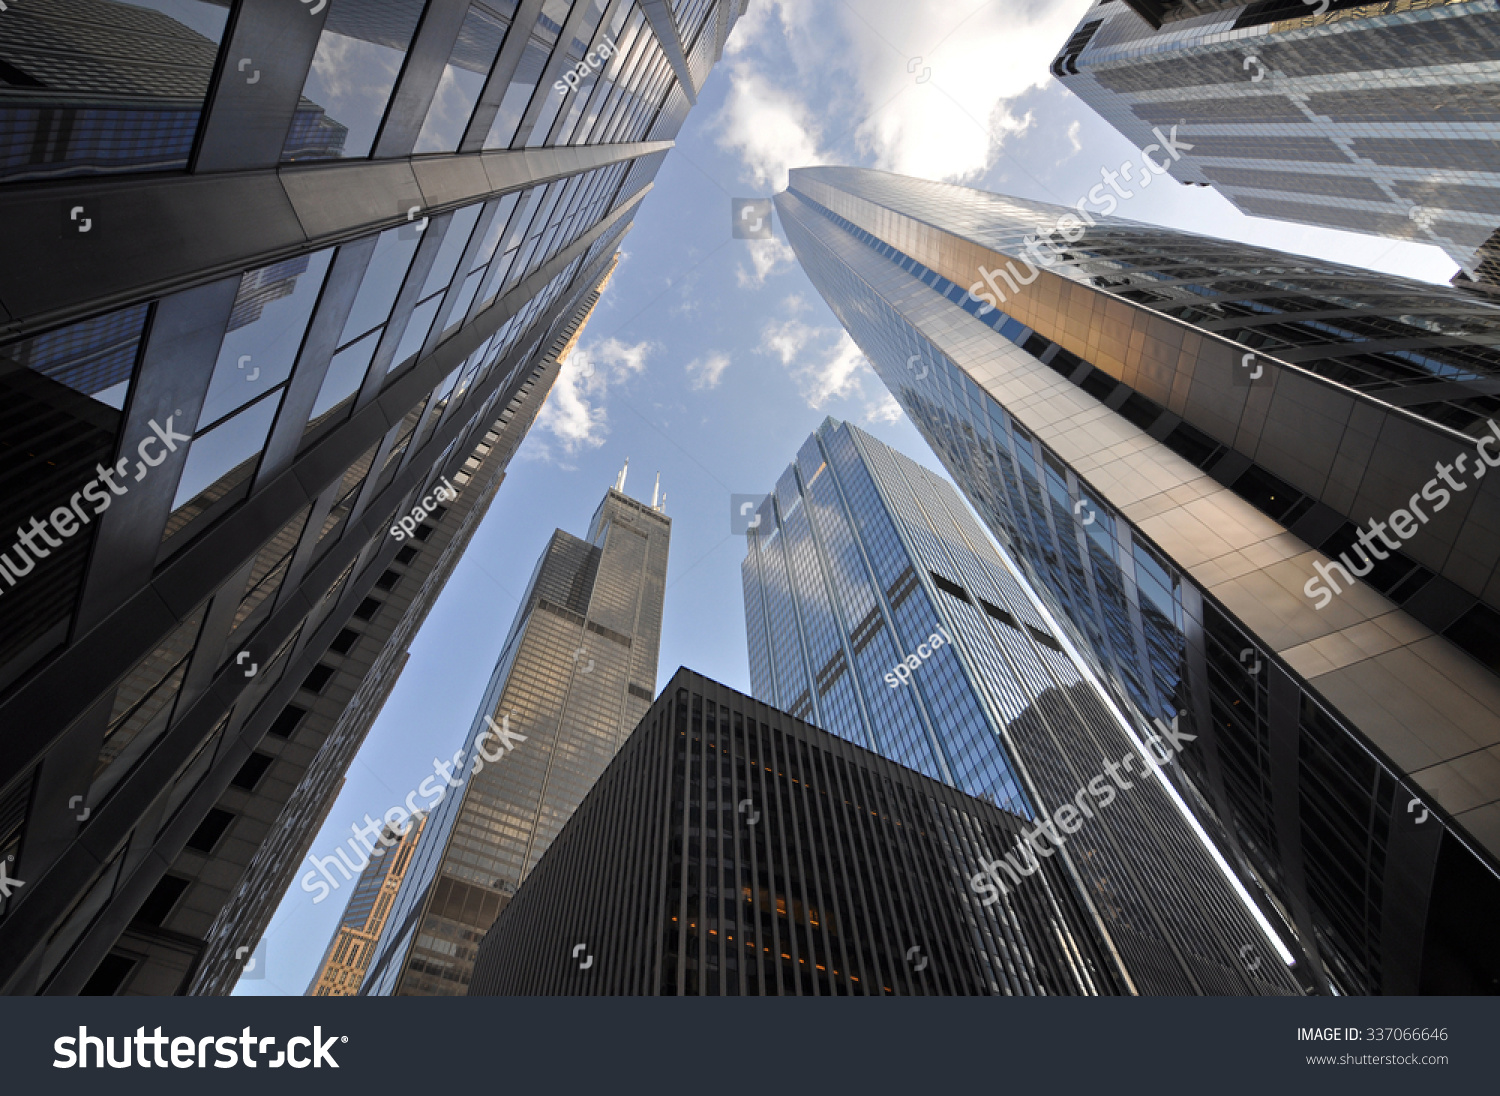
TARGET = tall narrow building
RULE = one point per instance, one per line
(1183, 443)
(732, 850)
(576, 673)
(878, 609)
(1377, 118)
(353, 945)
(275, 272)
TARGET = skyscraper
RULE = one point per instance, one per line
(731, 849)
(878, 610)
(353, 944)
(1376, 118)
(576, 673)
(1178, 440)
(255, 312)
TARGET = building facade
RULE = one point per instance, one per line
(353, 944)
(1181, 442)
(732, 850)
(877, 608)
(576, 673)
(280, 281)
(1377, 118)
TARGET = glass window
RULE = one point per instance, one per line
(382, 282)
(270, 316)
(221, 461)
(353, 74)
(533, 61)
(143, 706)
(94, 86)
(455, 239)
(416, 331)
(345, 375)
(474, 53)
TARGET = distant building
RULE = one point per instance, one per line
(878, 609)
(353, 944)
(732, 850)
(1375, 118)
(576, 673)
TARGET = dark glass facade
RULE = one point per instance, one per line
(861, 561)
(576, 673)
(1169, 485)
(231, 367)
(730, 849)
(1377, 118)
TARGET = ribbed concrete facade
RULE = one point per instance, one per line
(731, 850)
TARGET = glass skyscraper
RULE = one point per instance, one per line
(1379, 118)
(860, 561)
(1178, 440)
(577, 672)
(277, 271)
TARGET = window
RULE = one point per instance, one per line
(158, 904)
(57, 117)
(317, 680)
(287, 721)
(210, 830)
(344, 642)
(252, 770)
(108, 976)
(353, 74)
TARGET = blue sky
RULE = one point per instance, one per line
(710, 359)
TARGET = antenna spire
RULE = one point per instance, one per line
(620, 480)
(656, 493)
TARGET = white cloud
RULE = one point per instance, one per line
(768, 128)
(706, 372)
(929, 91)
(951, 125)
(885, 409)
(574, 413)
(767, 257)
(821, 372)
(787, 339)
